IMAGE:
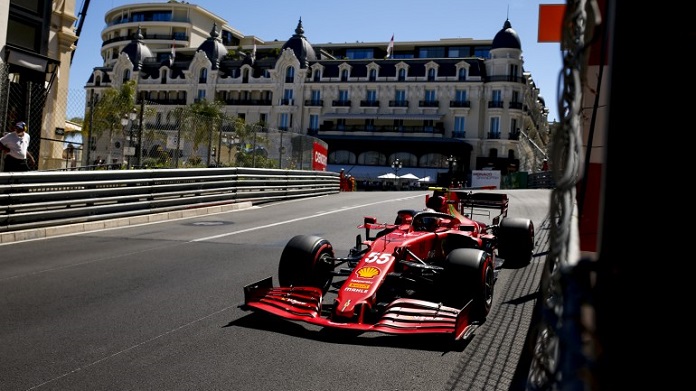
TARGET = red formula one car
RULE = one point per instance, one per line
(431, 271)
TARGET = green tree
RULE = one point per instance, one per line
(113, 105)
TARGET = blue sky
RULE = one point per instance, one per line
(357, 20)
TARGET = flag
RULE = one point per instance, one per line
(390, 47)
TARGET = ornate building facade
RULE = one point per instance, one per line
(452, 105)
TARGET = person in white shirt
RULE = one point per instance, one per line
(15, 145)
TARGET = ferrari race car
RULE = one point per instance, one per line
(431, 271)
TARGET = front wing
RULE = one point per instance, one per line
(402, 316)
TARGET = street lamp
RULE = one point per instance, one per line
(396, 166)
(125, 121)
(452, 162)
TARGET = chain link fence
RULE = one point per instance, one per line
(117, 130)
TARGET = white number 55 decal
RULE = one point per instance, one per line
(378, 258)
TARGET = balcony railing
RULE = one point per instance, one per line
(514, 136)
(369, 103)
(387, 129)
(398, 103)
(248, 102)
(495, 104)
(314, 102)
(460, 103)
(515, 105)
(341, 103)
(493, 135)
(429, 103)
(287, 102)
(515, 79)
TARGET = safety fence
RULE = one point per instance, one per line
(47, 199)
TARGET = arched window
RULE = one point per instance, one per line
(203, 75)
(317, 75)
(344, 75)
(290, 75)
(373, 74)
(126, 75)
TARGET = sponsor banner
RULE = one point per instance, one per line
(319, 157)
(485, 178)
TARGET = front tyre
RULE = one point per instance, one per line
(307, 260)
(470, 276)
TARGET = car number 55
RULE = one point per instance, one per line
(378, 258)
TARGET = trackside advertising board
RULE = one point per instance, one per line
(487, 178)
(320, 157)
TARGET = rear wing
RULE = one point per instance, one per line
(467, 202)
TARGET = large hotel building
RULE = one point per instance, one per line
(437, 107)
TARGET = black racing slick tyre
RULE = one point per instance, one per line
(470, 277)
(307, 260)
(516, 240)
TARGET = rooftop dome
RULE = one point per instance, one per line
(302, 48)
(136, 50)
(506, 38)
(213, 47)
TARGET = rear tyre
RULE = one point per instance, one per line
(307, 260)
(470, 276)
(516, 240)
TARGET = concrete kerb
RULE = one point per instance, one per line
(45, 232)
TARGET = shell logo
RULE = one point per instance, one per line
(367, 272)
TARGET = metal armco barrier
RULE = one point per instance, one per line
(46, 199)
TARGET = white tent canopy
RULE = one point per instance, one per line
(388, 175)
(408, 176)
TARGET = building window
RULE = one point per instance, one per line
(287, 97)
(201, 95)
(370, 124)
(462, 74)
(344, 75)
(459, 130)
(341, 124)
(497, 96)
(290, 75)
(373, 75)
(359, 54)
(371, 95)
(459, 51)
(313, 122)
(284, 121)
(316, 96)
(430, 96)
(402, 74)
(433, 52)
(343, 96)
(494, 131)
(460, 96)
(400, 96)
(431, 74)
(126, 75)
(317, 75)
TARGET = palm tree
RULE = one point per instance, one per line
(113, 105)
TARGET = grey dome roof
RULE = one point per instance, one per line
(213, 47)
(506, 38)
(136, 50)
(302, 48)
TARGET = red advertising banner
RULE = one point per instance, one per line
(320, 157)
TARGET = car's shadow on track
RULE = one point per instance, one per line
(430, 342)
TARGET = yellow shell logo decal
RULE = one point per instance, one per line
(367, 272)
